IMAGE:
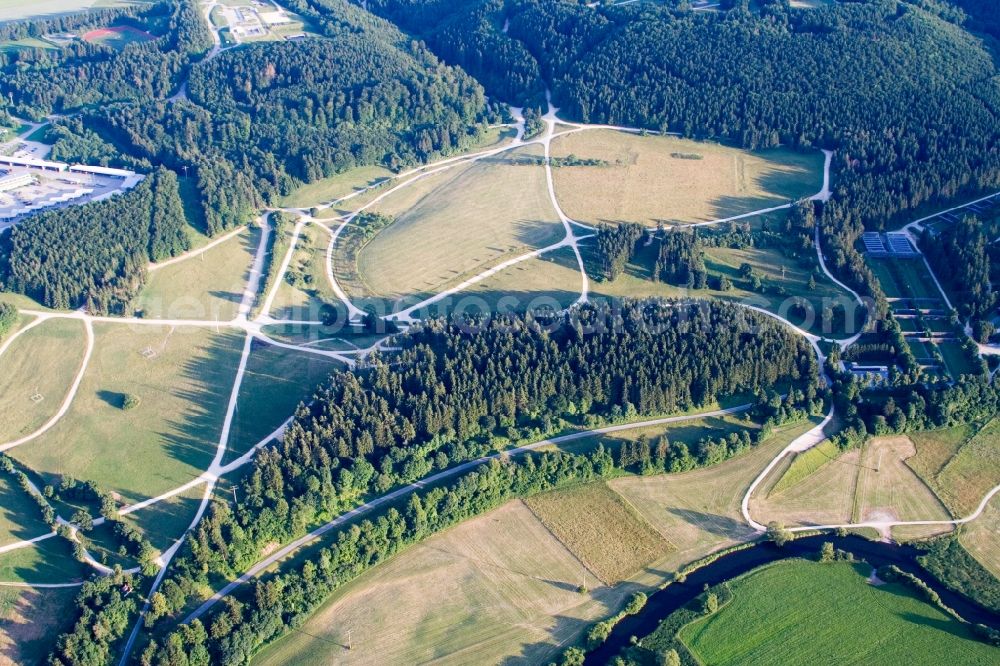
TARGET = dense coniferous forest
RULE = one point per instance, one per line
(967, 265)
(615, 246)
(260, 119)
(908, 99)
(462, 389)
(96, 254)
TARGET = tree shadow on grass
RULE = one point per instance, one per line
(193, 437)
(712, 523)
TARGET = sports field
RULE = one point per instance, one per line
(490, 211)
(601, 529)
(117, 37)
(207, 286)
(649, 179)
(170, 438)
(799, 612)
(36, 373)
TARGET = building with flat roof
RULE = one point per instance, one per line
(15, 180)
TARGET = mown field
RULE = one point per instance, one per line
(961, 464)
(498, 586)
(817, 488)
(165, 441)
(800, 612)
(877, 482)
(888, 489)
(549, 282)
(208, 286)
(275, 382)
(980, 537)
(649, 179)
(603, 531)
(42, 361)
(490, 211)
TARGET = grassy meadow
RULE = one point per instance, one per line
(485, 213)
(276, 381)
(42, 361)
(800, 612)
(29, 618)
(169, 438)
(601, 529)
(650, 179)
(208, 286)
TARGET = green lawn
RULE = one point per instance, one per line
(800, 612)
(956, 359)
(20, 517)
(276, 381)
(169, 438)
(41, 362)
(334, 187)
(805, 463)
(49, 561)
(207, 286)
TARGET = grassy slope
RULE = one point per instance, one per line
(28, 621)
(209, 286)
(489, 212)
(799, 612)
(276, 381)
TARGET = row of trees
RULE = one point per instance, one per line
(96, 254)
